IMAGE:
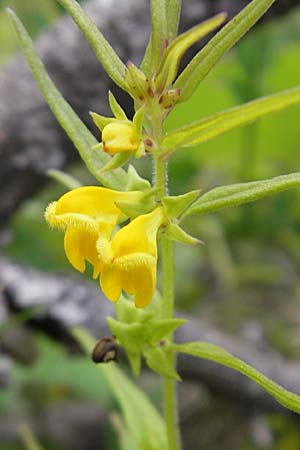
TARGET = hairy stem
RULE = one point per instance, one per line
(167, 256)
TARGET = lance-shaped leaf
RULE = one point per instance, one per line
(207, 58)
(220, 123)
(142, 419)
(103, 50)
(64, 178)
(159, 31)
(214, 353)
(168, 68)
(116, 109)
(173, 17)
(237, 194)
(79, 134)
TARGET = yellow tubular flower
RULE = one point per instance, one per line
(130, 260)
(120, 136)
(85, 214)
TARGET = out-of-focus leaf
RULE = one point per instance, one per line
(237, 194)
(220, 123)
(207, 58)
(214, 353)
(141, 418)
(79, 134)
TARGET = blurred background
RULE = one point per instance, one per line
(243, 284)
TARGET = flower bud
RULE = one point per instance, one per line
(169, 98)
(119, 137)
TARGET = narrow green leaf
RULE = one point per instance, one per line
(173, 17)
(214, 353)
(207, 58)
(103, 50)
(79, 134)
(220, 123)
(159, 31)
(237, 194)
(29, 439)
(142, 419)
(168, 68)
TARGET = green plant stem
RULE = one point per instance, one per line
(167, 256)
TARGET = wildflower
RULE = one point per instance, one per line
(120, 136)
(87, 214)
(129, 260)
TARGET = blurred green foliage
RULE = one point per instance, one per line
(251, 261)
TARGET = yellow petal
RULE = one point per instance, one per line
(80, 245)
(87, 206)
(111, 283)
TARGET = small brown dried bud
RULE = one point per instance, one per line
(105, 350)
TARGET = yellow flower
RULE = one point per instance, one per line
(129, 260)
(87, 214)
(120, 136)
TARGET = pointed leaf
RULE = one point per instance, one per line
(160, 328)
(118, 160)
(159, 362)
(237, 194)
(79, 134)
(103, 50)
(207, 58)
(168, 68)
(159, 30)
(220, 123)
(174, 232)
(116, 109)
(175, 205)
(142, 419)
(135, 182)
(101, 121)
(217, 354)
(173, 17)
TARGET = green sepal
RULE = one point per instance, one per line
(101, 121)
(217, 354)
(135, 362)
(116, 109)
(144, 206)
(131, 336)
(174, 232)
(138, 120)
(135, 182)
(139, 87)
(76, 130)
(127, 312)
(159, 362)
(168, 68)
(237, 194)
(103, 50)
(118, 160)
(226, 38)
(169, 98)
(160, 328)
(213, 126)
(175, 205)
(140, 151)
(64, 179)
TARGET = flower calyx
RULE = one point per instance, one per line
(121, 137)
(144, 333)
